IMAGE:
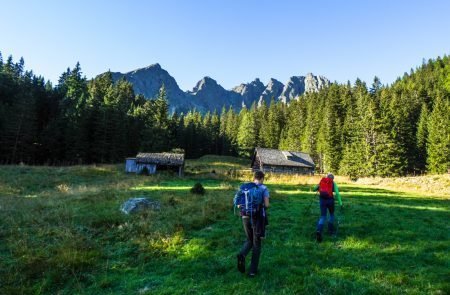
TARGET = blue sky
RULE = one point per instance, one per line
(230, 41)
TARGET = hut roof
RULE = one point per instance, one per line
(168, 159)
(283, 158)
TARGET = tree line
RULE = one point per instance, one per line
(355, 130)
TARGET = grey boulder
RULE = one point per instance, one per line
(135, 205)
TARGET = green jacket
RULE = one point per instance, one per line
(335, 190)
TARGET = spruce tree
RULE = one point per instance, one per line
(271, 129)
(247, 133)
(261, 123)
(422, 136)
(438, 144)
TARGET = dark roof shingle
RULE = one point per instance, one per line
(284, 158)
(169, 159)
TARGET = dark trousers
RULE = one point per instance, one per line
(253, 241)
(326, 204)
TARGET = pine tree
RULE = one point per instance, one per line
(261, 123)
(376, 85)
(332, 129)
(207, 133)
(422, 136)
(438, 144)
(295, 126)
(73, 88)
(215, 131)
(312, 126)
(247, 133)
(271, 129)
(224, 140)
(232, 128)
(354, 156)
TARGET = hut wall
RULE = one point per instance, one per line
(256, 164)
(130, 166)
(287, 169)
(151, 168)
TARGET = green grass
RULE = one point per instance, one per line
(61, 232)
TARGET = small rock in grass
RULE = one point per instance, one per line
(135, 205)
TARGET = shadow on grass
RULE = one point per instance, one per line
(385, 245)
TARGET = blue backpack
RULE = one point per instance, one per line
(249, 199)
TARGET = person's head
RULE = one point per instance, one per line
(259, 176)
(330, 175)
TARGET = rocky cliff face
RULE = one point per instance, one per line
(147, 81)
(273, 89)
(250, 92)
(208, 95)
(293, 88)
(315, 83)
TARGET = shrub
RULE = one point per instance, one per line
(198, 189)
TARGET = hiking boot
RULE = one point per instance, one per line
(318, 237)
(241, 263)
(331, 229)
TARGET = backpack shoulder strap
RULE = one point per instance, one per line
(247, 186)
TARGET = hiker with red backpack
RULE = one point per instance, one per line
(327, 188)
(252, 199)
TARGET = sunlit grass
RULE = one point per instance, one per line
(62, 232)
(174, 188)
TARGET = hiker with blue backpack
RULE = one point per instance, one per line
(252, 199)
(327, 188)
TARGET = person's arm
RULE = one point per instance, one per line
(338, 195)
(266, 198)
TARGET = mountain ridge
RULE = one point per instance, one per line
(209, 95)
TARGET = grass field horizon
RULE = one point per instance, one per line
(61, 232)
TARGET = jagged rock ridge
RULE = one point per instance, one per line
(208, 95)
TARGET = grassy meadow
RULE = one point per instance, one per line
(61, 232)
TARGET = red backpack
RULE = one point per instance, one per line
(326, 187)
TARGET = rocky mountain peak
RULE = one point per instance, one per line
(208, 95)
(155, 66)
(207, 84)
(272, 90)
(293, 88)
(315, 83)
(250, 92)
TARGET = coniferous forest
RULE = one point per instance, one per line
(351, 129)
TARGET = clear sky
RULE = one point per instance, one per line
(232, 41)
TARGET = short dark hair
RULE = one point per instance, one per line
(259, 175)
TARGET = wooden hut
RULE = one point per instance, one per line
(277, 161)
(155, 161)
(130, 165)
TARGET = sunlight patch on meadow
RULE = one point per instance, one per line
(440, 209)
(352, 243)
(292, 192)
(30, 196)
(194, 248)
(173, 188)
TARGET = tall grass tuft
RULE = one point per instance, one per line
(198, 189)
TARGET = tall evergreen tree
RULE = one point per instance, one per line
(271, 129)
(422, 136)
(438, 144)
(247, 133)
